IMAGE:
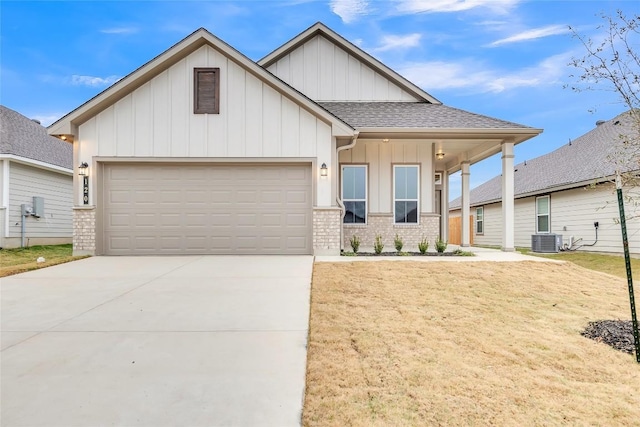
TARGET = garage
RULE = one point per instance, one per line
(153, 209)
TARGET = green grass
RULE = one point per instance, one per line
(19, 260)
(610, 264)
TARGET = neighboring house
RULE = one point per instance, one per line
(33, 164)
(566, 192)
(204, 151)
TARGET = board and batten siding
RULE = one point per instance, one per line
(157, 119)
(380, 158)
(324, 71)
(25, 182)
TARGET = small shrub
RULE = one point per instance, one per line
(403, 253)
(378, 246)
(423, 246)
(349, 254)
(441, 246)
(460, 252)
(398, 243)
(355, 243)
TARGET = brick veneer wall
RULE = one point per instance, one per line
(429, 228)
(326, 231)
(84, 230)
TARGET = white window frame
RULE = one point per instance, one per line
(480, 219)
(366, 191)
(548, 214)
(417, 199)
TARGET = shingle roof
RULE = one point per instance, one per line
(23, 137)
(586, 158)
(413, 115)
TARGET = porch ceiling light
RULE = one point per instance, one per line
(385, 140)
(440, 156)
(83, 169)
(324, 170)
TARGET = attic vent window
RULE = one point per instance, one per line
(206, 84)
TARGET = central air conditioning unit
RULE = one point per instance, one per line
(547, 243)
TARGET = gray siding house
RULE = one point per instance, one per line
(33, 164)
(568, 192)
(204, 151)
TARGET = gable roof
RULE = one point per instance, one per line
(320, 29)
(578, 163)
(201, 37)
(22, 137)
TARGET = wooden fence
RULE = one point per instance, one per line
(455, 230)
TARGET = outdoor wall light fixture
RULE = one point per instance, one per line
(323, 170)
(440, 156)
(83, 169)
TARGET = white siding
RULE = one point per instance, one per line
(56, 189)
(380, 157)
(325, 72)
(573, 213)
(156, 119)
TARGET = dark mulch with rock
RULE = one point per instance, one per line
(616, 333)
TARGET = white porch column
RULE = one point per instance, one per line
(508, 227)
(466, 233)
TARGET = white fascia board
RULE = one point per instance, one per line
(37, 164)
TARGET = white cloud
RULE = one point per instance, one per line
(119, 30)
(435, 6)
(479, 78)
(92, 81)
(391, 42)
(349, 10)
(535, 33)
(47, 119)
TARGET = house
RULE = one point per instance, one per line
(568, 192)
(33, 164)
(204, 151)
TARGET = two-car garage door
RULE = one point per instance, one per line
(151, 208)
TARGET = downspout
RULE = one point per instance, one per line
(338, 198)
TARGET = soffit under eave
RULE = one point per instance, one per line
(319, 29)
(68, 124)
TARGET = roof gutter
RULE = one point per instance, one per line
(349, 146)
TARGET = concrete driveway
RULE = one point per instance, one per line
(156, 341)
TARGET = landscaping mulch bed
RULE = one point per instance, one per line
(391, 254)
(615, 333)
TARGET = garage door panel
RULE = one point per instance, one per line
(214, 209)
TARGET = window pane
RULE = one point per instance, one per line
(543, 206)
(412, 182)
(348, 185)
(479, 214)
(412, 212)
(355, 212)
(359, 182)
(479, 227)
(401, 213)
(400, 182)
(543, 224)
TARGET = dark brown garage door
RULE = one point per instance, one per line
(206, 209)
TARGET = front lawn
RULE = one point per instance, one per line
(611, 264)
(19, 260)
(422, 343)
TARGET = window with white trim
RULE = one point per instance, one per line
(480, 220)
(543, 217)
(406, 190)
(354, 193)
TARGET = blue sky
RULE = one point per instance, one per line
(502, 58)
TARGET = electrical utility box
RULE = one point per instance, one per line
(38, 206)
